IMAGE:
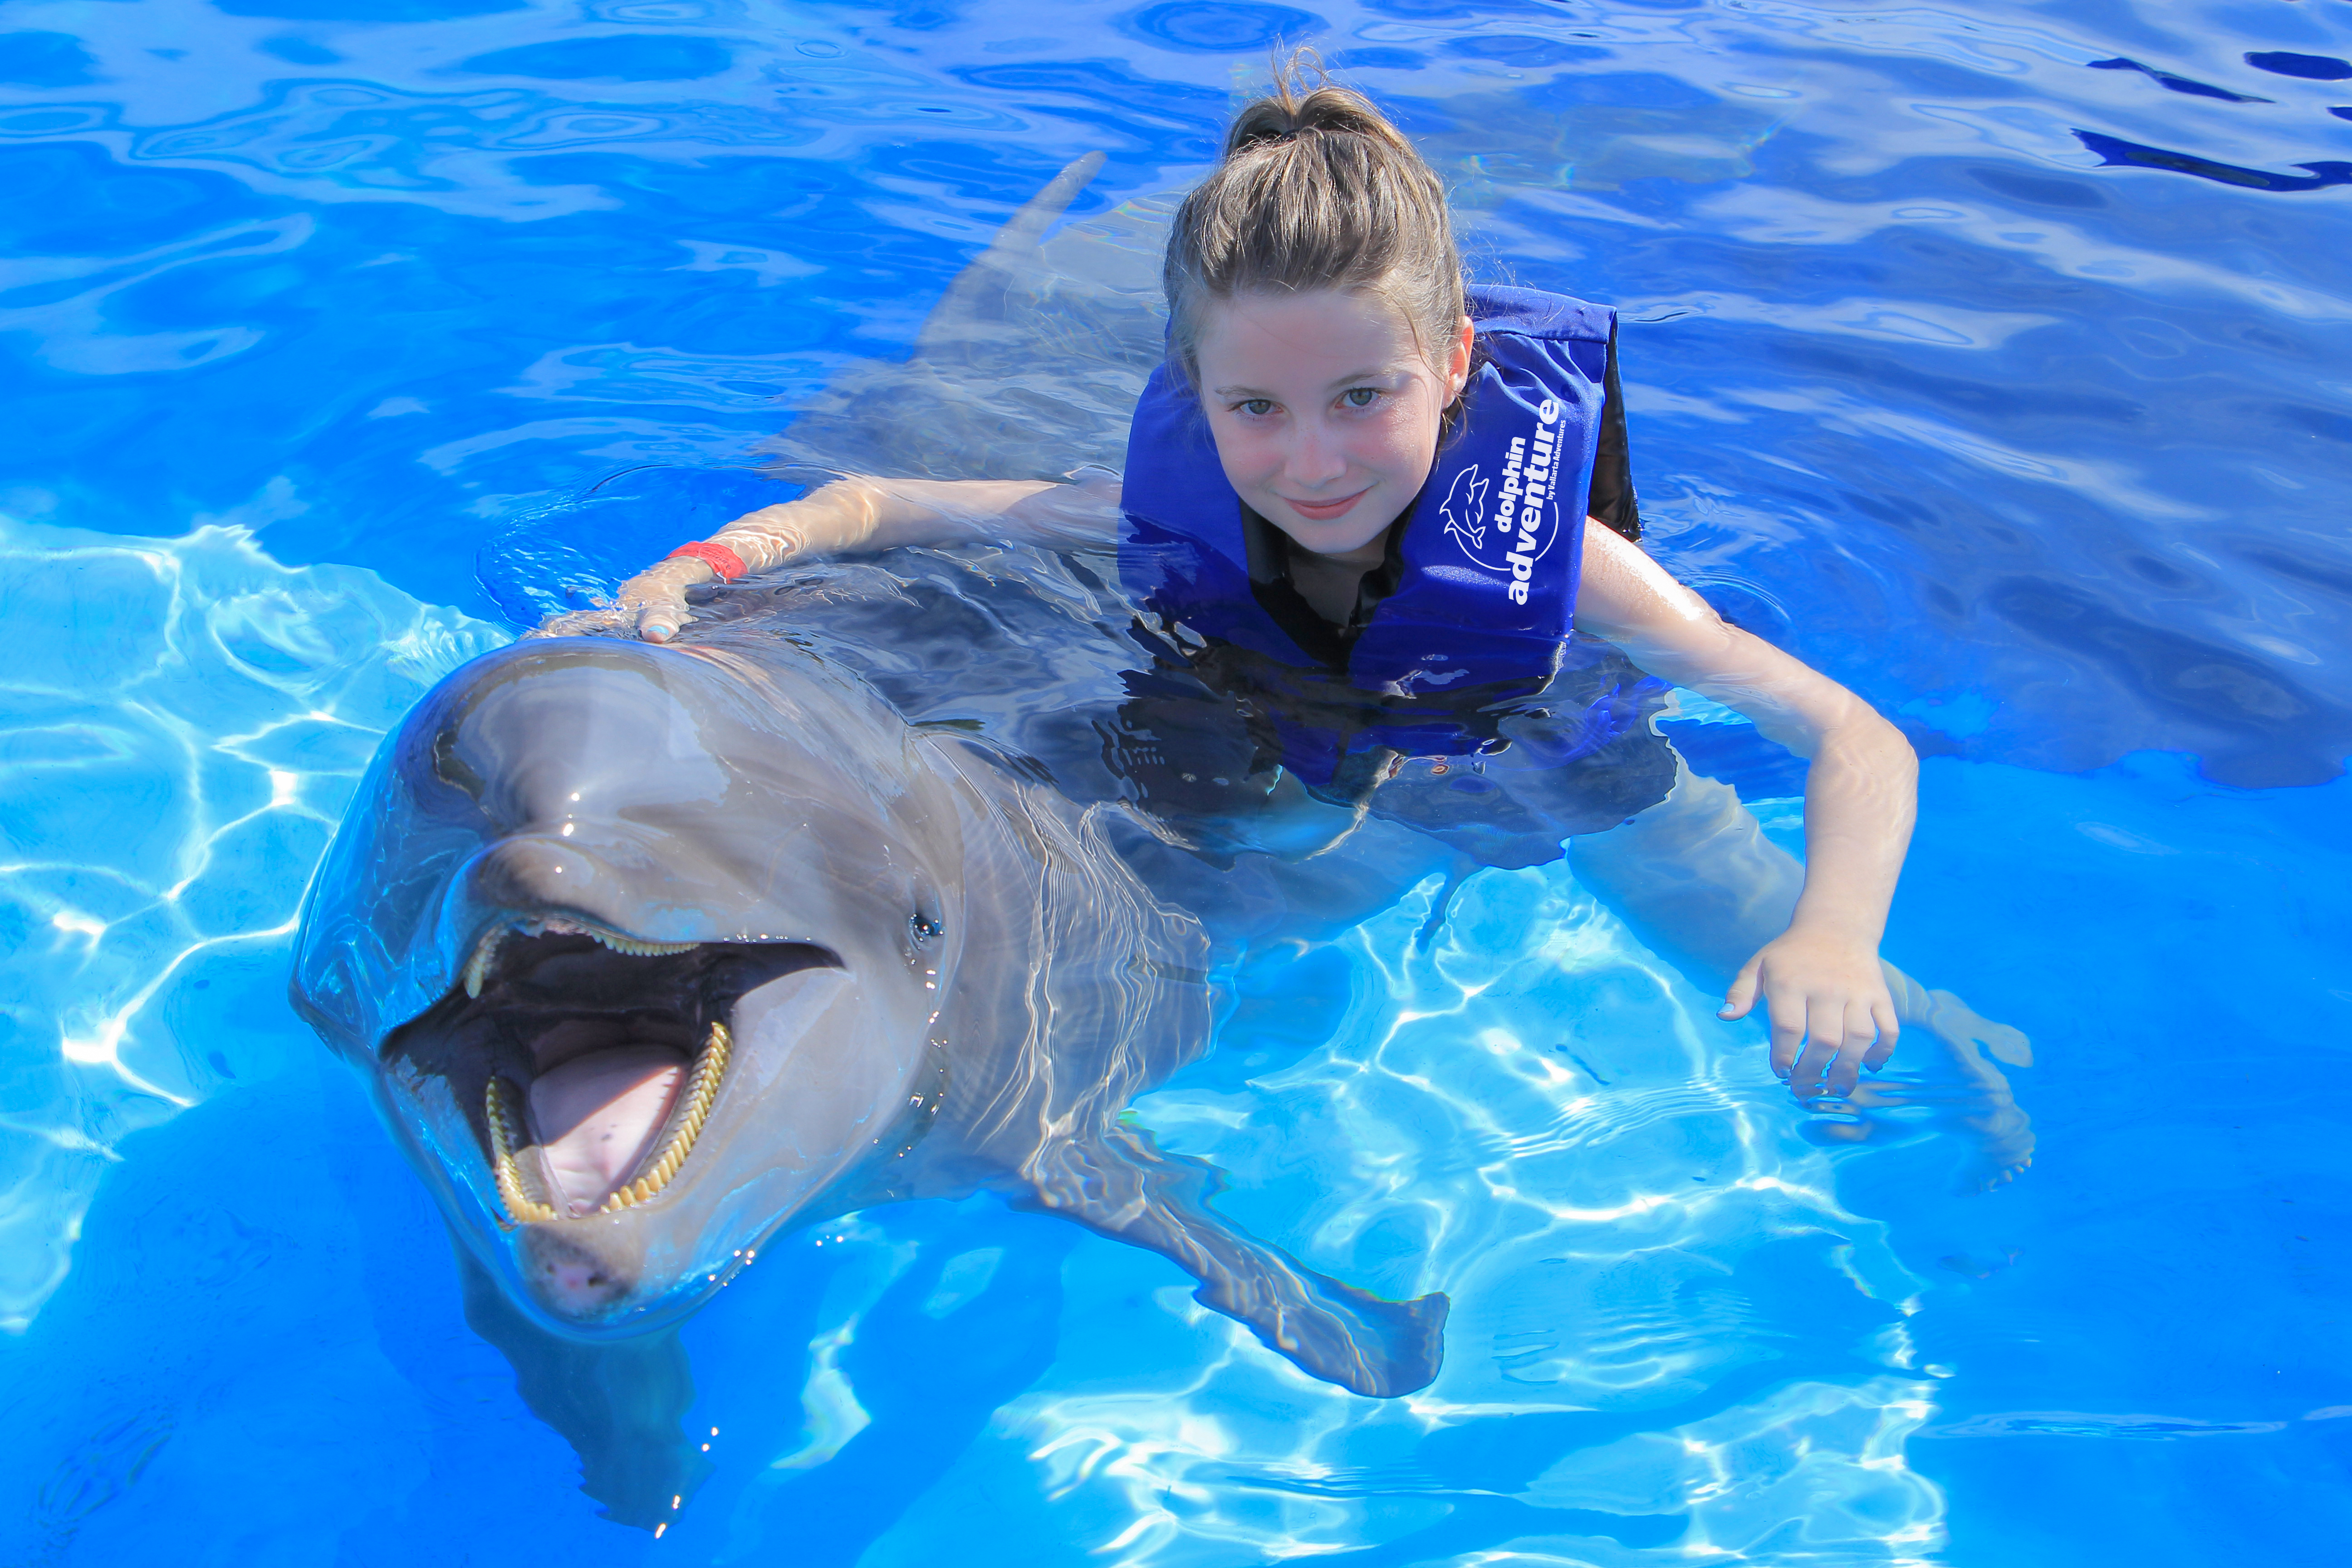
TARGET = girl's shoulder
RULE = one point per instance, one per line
(1500, 308)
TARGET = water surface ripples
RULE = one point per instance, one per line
(1990, 357)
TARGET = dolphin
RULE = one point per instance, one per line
(650, 953)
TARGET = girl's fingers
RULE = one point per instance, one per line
(1788, 1032)
(1859, 1039)
(1890, 1030)
(1742, 995)
(1820, 1043)
(1824, 1035)
(659, 615)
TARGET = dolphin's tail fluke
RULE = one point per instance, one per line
(1124, 1187)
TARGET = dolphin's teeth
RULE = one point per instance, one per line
(498, 1113)
(485, 953)
(686, 1123)
(636, 949)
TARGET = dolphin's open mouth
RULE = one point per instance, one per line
(587, 1058)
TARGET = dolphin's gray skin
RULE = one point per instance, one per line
(583, 867)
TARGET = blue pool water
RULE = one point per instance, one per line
(1992, 357)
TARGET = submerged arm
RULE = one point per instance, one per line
(1820, 980)
(860, 513)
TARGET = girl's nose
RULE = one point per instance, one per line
(1315, 458)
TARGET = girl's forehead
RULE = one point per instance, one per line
(1302, 333)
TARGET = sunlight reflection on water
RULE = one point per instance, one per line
(195, 715)
(1601, 1241)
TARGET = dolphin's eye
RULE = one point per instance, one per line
(924, 929)
(452, 769)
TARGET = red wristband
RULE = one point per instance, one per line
(717, 557)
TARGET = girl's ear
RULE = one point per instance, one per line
(1457, 368)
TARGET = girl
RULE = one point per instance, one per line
(1357, 501)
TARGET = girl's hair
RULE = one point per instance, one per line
(1315, 190)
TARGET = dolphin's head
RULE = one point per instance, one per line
(643, 949)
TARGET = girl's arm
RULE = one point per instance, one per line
(1820, 980)
(858, 513)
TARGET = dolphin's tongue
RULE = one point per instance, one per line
(597, 1114)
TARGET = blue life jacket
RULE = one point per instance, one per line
(1484, 568)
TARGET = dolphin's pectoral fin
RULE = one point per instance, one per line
(620, 1405)
(1126, 1188)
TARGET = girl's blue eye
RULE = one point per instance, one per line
(1258, 407)
(1360, 396)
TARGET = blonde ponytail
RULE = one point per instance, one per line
(1316, 190)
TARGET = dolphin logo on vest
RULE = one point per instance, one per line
(1508, 536)
(1464, 510)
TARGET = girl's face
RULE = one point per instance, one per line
(1325, 412)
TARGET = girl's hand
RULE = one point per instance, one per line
(1831, 1011)
(651, 604)
(860, 513)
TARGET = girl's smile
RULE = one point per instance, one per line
(1324, 511)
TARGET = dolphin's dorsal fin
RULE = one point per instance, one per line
(977, 297)
(1021, 371)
